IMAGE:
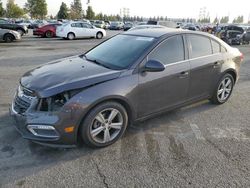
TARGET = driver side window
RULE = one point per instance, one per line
(169, 51)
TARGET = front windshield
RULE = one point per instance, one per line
(120, 51)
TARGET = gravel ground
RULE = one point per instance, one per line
(201, 145)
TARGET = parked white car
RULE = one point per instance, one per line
(73, 30)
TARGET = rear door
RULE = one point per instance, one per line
(77, 29)
(205, 61)
(161, 90)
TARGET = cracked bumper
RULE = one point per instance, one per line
(45, 119)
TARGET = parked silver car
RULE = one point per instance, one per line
(9, 35)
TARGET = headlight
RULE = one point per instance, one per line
(56, 102)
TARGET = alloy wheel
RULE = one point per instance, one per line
(106, 125)
(224, 89)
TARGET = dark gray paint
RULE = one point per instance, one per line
(142, 93)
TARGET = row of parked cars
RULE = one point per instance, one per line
(231, 34)
(10, 31)
(84, 29)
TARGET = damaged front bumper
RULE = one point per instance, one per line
(45, 128)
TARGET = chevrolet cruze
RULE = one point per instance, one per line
(133, 76)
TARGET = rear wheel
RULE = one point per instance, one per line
(49, 34)
(8, 38)
(104, 125)
(224, 89)
(71, 36)
(99, 35)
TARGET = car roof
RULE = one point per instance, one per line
(153, 32)
(160, 32)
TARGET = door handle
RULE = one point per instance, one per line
(184, 74)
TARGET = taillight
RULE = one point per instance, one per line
(241, 57)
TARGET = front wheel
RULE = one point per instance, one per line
(224, 89)
(99, 35)
(8, 38)
(104, 125)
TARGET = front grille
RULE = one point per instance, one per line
(23, 100)
(21, 105)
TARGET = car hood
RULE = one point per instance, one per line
(64, 75)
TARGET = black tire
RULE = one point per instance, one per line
(71, 36)
(8, 38)
(49, 34)
(90, 119)
(216, 99)
(99, 35)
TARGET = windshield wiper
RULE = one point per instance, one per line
(97, 62)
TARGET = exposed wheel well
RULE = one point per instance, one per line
(120, 101)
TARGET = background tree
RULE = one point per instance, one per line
(13, 10)
(63, 12)
(90, 14)
(216, 20)
(2, 11)
(204, 20)
(37, 8)
(239, 19)
(224, 19)
(76, 10)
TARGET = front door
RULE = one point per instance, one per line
(161, 90)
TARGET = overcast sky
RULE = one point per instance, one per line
(173, 9)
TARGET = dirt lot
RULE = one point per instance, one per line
(202, 145)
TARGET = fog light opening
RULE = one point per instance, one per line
(45, 131)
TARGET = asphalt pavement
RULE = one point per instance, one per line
(201, 145)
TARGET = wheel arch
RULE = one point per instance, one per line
(233, 73)
(10, 35)
(71, 32)
(121, 100)
(99, 32)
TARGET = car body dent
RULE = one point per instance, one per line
(99, 84)
(57, 77)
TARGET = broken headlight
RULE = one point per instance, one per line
(56, 102)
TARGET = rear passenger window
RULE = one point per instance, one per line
(170, 51)
(200, 46)
(216, 47)
(76, 25)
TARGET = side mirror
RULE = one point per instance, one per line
(153, 66)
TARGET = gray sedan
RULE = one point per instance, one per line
(9, 35)
(96, 95)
